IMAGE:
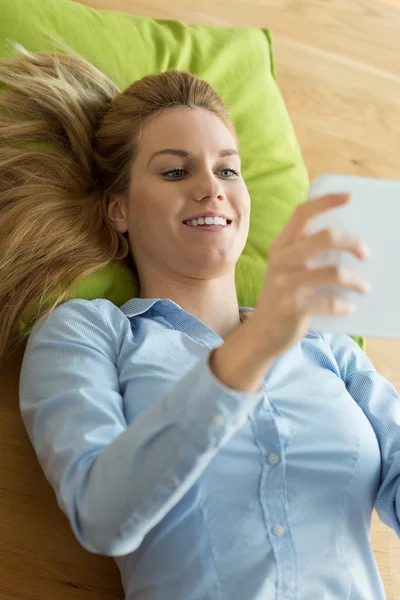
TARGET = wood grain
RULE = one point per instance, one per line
(338, 66)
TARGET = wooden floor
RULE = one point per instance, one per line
(338, 65)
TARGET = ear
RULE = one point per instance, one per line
(117, 212)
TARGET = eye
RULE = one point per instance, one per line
(174, 174)
(230, 173)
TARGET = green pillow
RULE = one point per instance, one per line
(237, 61)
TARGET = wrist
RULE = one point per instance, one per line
(242, 362)
(261, 337)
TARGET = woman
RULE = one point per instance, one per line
(212, 459)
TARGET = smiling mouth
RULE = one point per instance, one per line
(223, 223)
(208, 228)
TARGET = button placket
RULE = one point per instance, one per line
(273, 435)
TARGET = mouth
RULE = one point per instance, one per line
(208, 224)
(219, 228)
(205, 228)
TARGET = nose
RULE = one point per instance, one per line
(207, 187)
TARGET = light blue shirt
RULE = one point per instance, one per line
(201, 492)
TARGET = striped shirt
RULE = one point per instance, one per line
(201, 492)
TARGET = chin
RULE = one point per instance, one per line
(210, 267)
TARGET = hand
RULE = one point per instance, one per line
(289, 298)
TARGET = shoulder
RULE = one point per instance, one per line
(346, 353)
(97, 321)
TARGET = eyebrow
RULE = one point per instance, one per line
(185, 154)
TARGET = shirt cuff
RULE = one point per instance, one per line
(207, 410)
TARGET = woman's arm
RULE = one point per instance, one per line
(116, 482)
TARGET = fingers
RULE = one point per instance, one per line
(327, 239)
(331, 275)
(295, 280)
(313, 304)
(301, 217)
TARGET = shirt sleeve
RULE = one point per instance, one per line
(116, 481)
(380, 402)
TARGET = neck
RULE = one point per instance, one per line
(213, 301)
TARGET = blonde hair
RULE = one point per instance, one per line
(68, 136)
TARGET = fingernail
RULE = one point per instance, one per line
(365, 250)
(349, 307)
(367, 286)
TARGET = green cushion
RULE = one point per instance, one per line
(239, 64)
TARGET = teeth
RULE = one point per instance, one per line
(207, 221)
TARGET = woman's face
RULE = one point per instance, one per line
(187, 164)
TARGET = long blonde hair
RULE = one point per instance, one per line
(68, 136)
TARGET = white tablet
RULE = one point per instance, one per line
(373, 213)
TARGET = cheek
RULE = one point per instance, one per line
(149, 207)
(243, 203)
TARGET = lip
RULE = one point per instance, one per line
(205, 228)
(207, 214)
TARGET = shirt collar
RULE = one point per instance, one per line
(139, 306)
(177, 317)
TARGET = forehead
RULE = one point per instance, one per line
(194, 129)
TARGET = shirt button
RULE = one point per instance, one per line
(173, 481)
(278, 530)
(218, 420)
(273, 458)
(240, 422)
